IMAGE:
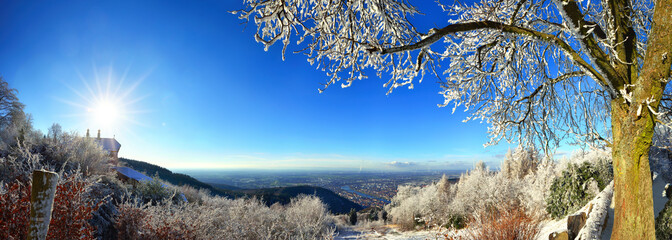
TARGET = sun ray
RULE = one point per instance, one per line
(138, 99)
(122, 80)
(107, 82)
(75, 104)
(107, 101)
(78, 93)
(135, 84)
(96, 78)
(86, 84)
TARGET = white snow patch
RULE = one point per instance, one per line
(600, 211)
(389, 232)
(659, 200)
(550, 226)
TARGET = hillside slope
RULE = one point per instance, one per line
(335, 203)
(177, 179)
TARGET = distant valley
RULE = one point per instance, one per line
(368, 189)
(341, 190)
(336, 204)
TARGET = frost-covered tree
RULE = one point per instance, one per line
(537, 70)
(15, 125)
(55, 131)
(520, 162)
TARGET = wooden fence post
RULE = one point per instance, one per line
(41, 201)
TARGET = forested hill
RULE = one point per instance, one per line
(178, 179)
(335, 203)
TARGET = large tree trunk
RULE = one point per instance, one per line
(632, 127)
(632, 177)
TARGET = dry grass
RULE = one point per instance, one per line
(509, 222)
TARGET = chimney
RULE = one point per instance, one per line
(87, 133)
(98, 133)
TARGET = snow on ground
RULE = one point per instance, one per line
(390, 232)
(550, 226)
(658, 189)
(600, 211)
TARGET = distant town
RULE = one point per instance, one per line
(369, 189)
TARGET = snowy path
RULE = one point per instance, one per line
(389, 232)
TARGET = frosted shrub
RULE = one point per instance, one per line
(66, 154)
(305, 217)
(520, 163)
(523, 182)
(308, 218)
(444, 205)
(409, 204)
(481, 188)
(110, 187)
(153, 191)
(248, 219)
(536, 187)
(168, 221)
(129, 221)
(194, 195)
(20, 165)
(416, 206)
(72, 151)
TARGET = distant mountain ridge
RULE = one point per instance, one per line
(177, 179)
(283, 195)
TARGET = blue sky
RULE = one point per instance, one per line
(194, 90)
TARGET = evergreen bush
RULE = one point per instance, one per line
(569, 192)
(352, 216)
(664, 222)
(153, 191)
(456, 222)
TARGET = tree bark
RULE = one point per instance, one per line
(633, 198)
(41, 201)
(633, 122)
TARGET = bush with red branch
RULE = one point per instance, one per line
(508, 222)
(134, 222)
(14, 210)
(129, 222)
(70, 214)
(72, 210)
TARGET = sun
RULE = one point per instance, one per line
(105, 113)
(107, 101)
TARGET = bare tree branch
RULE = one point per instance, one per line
(471, 26)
